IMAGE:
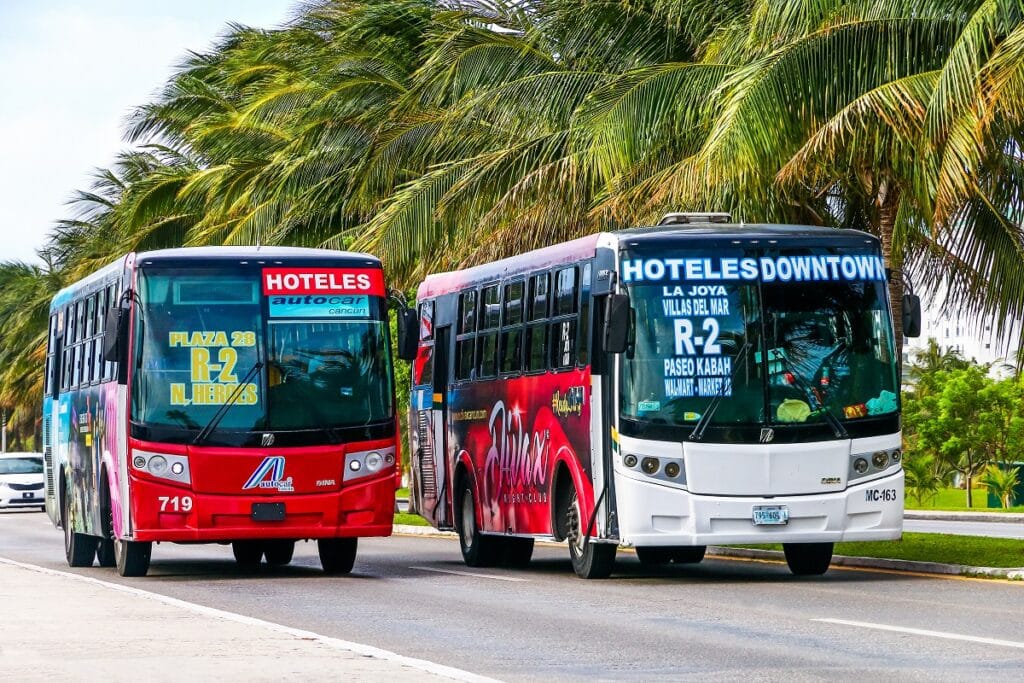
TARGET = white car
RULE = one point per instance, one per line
(21, 481)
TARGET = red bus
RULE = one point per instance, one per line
(221, 394)
(663, 388)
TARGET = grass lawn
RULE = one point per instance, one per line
(976, 551)
(956, 500)
(402, 493)
(411, 519)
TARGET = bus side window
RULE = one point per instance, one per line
(512, 329)
(563, 331)
(466, 340)
(583, 331)
(65, 372)
(487, 340)
(536, 329)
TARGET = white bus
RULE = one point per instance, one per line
(664, 388)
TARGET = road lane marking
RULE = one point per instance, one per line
(924, 632)
(474, 575)
(335, 643)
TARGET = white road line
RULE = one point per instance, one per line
(474, 575)
(335, 643)
(923, 632)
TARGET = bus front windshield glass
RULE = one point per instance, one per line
(206, 338)
(758, 337)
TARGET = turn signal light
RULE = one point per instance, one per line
(629, 460)
(672, 469)
(860, 465)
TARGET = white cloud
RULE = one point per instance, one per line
(71, 73)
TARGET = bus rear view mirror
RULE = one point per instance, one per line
(616, 323)
(911, 315)
(115, 334)
(408, 333)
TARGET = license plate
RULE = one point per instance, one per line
(267, 512)
(28, 494)
(771, 514)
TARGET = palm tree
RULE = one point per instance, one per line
(1001, 482)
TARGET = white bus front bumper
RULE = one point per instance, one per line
(656, 515)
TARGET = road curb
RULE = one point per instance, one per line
(1013, 573)
(999, 517)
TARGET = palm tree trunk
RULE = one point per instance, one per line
(888, 206)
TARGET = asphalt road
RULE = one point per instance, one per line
(724, 619)
(941, 526)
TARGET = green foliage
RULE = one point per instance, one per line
(922, 477)
(1001, 482)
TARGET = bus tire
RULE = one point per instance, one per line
(337, 555)
(808, 559)
(132, 557)
(79, 549)
(279, 552)
(478, 550)
(590, 559)
(248, 554)
(516, 552)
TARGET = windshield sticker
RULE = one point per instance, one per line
(698, 366)
(312, 306)
(769, 269)
(213, 361)
(299, 281)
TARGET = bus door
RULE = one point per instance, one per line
(442, 377)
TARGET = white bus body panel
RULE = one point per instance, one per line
(653, 513)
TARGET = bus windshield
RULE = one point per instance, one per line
(769, 338)
(205, 338)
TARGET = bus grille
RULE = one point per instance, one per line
(428, 481)
(48, 455)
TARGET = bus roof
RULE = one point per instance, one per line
(232, 253)
(573, 250)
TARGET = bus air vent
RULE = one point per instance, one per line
(683, 218)
(426, 453)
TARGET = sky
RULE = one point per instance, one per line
(70, 73)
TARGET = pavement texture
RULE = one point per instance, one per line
(125, 634)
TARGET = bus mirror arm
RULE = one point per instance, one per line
(911, 315)
(115, 335)
(408, 333)
(617, 319)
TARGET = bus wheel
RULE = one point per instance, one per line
(247, 553)
(132, 557)
(590, 560)
(808, 559)
(279, 552)
(80, 549)
(517, 552)
(478, 550)
(337, 555)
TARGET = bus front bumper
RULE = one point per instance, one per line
(654, 515)
(359, 510)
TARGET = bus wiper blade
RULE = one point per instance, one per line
(833, 421)
(702, 424)
(219, 415)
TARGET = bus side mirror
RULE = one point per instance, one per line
(408, 333)
(911, 315)
(115, 335)
(617, 319)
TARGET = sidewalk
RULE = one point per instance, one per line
(948, 516)
(58, 626)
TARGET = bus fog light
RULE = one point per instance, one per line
(139, 462)
(374, 462)
(177, 468)
(880, 459)
(158, 465)
(629, 460)
(649, 465)
(389, 459)
(896, 455)
(355, 465)
(672, 469)
(860, 465)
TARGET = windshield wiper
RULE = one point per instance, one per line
(702, 424)
(219, 415)
(837, 426)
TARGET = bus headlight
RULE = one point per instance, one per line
(860, 465)
(880, 459)
(629, 460)
(672, 469)
(896, 455)
(366, 463)
(374, 462)
(158, 465)
(649, 465)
